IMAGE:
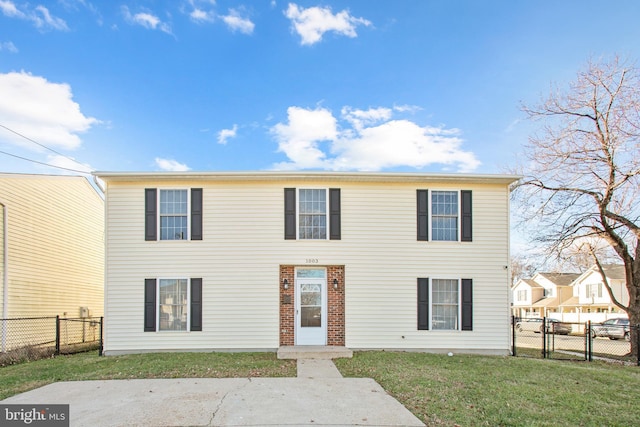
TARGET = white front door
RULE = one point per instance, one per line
(311, 307)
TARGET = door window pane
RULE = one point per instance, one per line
(310, 305)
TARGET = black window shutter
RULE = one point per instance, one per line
(423, 214)
(196, 214)
(150, 215)
(149, 305)
(334, 214)
(467, 225)
(467, 304)
(196, 304)
(423, 304)
(290, 213)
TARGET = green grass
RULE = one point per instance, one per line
(462, 390)
(26, 376)
(470, 390)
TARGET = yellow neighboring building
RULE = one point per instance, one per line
(51, 246)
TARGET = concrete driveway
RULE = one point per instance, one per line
(319, 396)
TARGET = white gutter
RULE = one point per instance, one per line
(5, 276)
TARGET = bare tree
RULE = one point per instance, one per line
(521, 268)
(581, 185)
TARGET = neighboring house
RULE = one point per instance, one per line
(524, 293)
(571, 297)
(547, 292)
(590, 294)
(52, 260)
(206, 261)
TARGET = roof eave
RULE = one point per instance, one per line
(306, 176)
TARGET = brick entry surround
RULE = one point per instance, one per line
(335, 308)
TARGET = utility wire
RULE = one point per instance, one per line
(45, 147)
(45, 164)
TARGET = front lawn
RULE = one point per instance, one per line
(26, 376)
(470, 390)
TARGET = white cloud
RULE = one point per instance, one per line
(225, 134)
(41, 110)
(199, 15)
(146, 20)
(300, 137)
(312, 23)
(9, 47)
(9, 9)
(235, 22)
(371, 141)
(171, 165)
(40, 16)
(361, 118)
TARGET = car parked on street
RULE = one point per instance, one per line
(534, 324)
(614, 329)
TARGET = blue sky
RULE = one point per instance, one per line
(411, 85)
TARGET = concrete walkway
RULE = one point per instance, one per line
(319, 396)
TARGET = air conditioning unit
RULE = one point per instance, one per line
(84, 312)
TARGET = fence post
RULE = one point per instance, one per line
(57, 335)
(513, 335)
(544, 338)
(590, 338)
(100, 347)
(638, 344)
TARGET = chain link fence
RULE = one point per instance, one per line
(552, 339)
(32, 338)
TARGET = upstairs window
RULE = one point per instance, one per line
(444, 216)
(173, 214)
(312, 214)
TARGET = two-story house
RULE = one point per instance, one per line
(207, 261)
(591, 295)
(545, 293)
(52, 253)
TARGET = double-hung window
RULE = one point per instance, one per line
(444, 215)
(522, 295)
(173, 214)
(173, 304)
(445, 304)
(312, 214)
(173, 295)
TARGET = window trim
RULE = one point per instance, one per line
(465, 304)
(159, 215)
(459, 303)
(327, 213)
(431, 214)
(187, 304)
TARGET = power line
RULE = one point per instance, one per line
(42, 163)
(45, 147)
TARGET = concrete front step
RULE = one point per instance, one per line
(314, 352)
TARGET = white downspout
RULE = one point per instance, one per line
(5, 276)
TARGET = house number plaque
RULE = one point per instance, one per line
(311, 261)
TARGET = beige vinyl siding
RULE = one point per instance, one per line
(243, 247)
(55, 245)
